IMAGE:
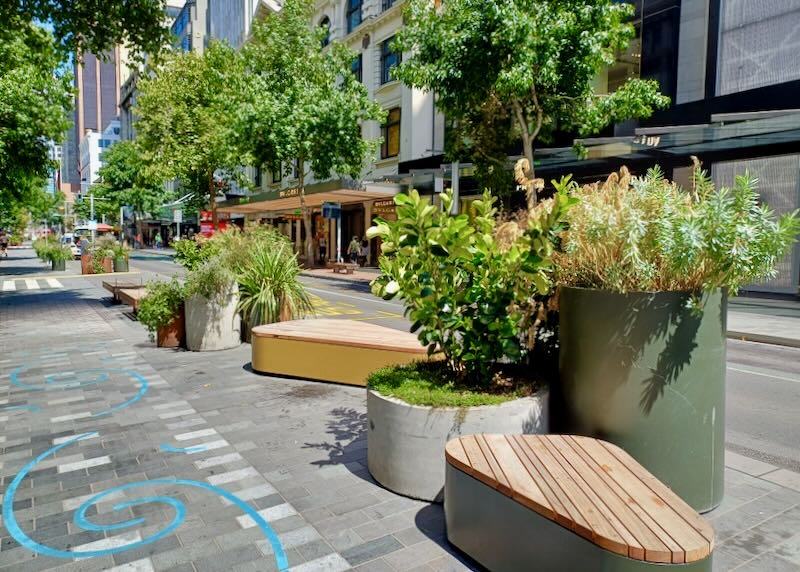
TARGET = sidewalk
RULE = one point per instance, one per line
(765, 320)
(360, 276)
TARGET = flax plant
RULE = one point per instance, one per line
(648, 234)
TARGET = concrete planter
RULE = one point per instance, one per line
(405, 443)
(213, 324)
(644, 372)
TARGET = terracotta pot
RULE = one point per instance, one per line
(173, 334)
(108, 264)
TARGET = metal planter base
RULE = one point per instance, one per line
(646, 373)
(505, 536)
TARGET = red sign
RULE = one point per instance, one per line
(207, 228)
(205, 216)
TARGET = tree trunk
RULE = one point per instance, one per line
(530, 173)
(212, 201)
(306, 214)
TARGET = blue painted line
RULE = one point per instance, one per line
(81, 520)
(83, 378)
(166, 447)
(31, 408)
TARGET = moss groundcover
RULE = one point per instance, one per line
(432, 384)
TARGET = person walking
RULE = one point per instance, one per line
(158, 241)
(363, 252)
(323, 249)
(353, 250)
(3, 244)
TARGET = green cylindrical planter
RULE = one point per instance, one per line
(647, 373)
(58, 264)
(121, 264)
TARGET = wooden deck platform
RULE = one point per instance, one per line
(342, 351)
(114, 286)
(577, 502)
(131, 296)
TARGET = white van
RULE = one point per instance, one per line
(69, 239)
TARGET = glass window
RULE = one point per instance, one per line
(326, 24)
(257, 177)
(390, 147)
(388, 4)
(389, 59)
(357, 66)
(353, 14)
(277, 173)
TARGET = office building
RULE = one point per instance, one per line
(92, 146)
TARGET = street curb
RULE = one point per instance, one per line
(365, 283)
(764, 339)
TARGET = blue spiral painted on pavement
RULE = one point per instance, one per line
(82, 521)
(81, 379)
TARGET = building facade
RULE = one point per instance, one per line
(92, 147)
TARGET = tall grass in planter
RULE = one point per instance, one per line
(644, 273)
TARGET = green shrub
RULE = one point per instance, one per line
(212, 279)
(269, 289)
(648, 234)
(469, 294)
(190, 253)
(59, 253)
(432, 384)
(43, 246)
(161, 303)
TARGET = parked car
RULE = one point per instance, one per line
(70, 240)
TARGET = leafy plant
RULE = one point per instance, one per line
(269, 289)
(211, 280)
(161, 303)
(59, 253)
(469, 294)
(119, 250)
(42, 248)
(190, 253)
(648, 234)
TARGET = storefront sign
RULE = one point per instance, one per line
(332, 210)
(385, 208)
(289, 193)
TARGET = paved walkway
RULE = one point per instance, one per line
(151, 459)
(765, 320)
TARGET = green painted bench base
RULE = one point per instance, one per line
(505, 536)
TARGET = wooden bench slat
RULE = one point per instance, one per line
(692, 545)
(594, 526)
(343, 333)
(600, 496)
(525, 490)
(689, 515)
(564, 511)
(636, 520)
(590, 487)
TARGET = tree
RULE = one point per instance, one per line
(35, 99)
(303, 103)
(93, 26)
(186, 110)
(126, 181)
(533, 60)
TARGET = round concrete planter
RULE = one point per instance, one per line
(644, 372)
(213, 324)
(405, 443)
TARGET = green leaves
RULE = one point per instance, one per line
(467, 292)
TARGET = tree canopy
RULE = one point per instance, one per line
(95, 25)
(35, 99)
(524, 65)
(185, 116)
(302, 101)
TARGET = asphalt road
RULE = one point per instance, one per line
(763, 381)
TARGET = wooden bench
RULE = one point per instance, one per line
(343, 351)
(131, 297)
(344, 267)
(559, 502)
(114, 286)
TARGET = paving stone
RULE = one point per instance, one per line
(371, 550)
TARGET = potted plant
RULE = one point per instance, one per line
(471, 288)
(120, 253)
(644, 274)
(269, 289)
(212, 318)
(58, 256)
(161, 311)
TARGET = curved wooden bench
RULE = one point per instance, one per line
(566, 503)
(116, 285)
(343, 351)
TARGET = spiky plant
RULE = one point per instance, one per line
(269, 289)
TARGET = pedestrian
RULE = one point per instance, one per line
(323, 249)
(353, 250)
(363, 252)
(3, 244)
(158, 241)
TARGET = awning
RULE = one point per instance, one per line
(338, 191)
